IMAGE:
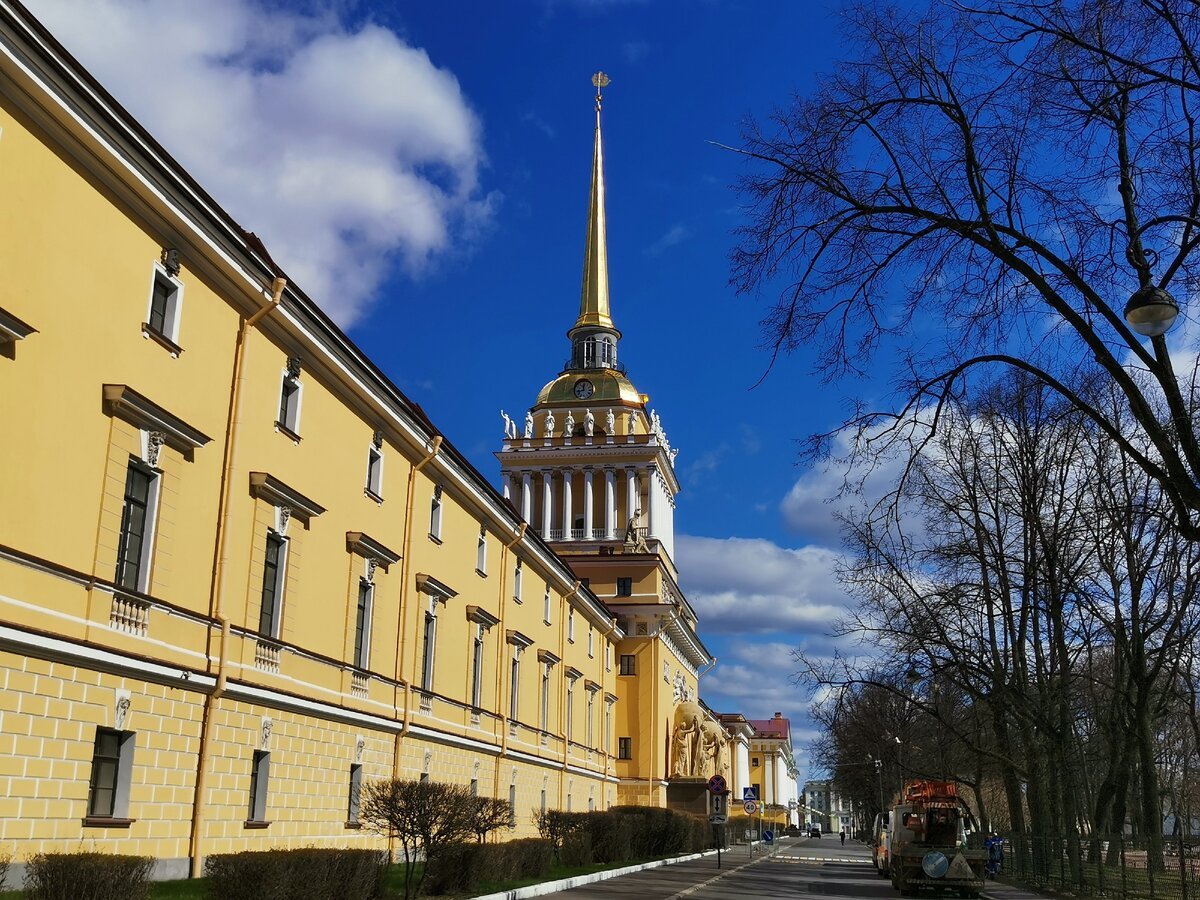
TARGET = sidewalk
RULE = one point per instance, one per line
(660, 880)
(998, 890)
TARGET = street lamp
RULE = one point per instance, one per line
(1151, 311)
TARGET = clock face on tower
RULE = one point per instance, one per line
(583, 389)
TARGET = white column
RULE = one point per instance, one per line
(610, 504)
(589, 508)
(631, 493)
(567, 513)
(654, 495)
(526, 496)
(506, 483)
(547, 502)
(741, 766)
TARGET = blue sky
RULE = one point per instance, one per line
(422, 170)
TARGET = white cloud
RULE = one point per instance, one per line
(674, 235)
(346, 150)
(749, 585)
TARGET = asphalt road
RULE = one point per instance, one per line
(799, 869)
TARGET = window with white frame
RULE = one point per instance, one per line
(362, 623)
(571, 625)
(429, 644)
(164, 309)
(608, 726)
(435, 514)
(260, 773)
(355, 794)
(591, 642)
(477, 667)
(514, 692)
(569, 712)
(591, 716)
(112, 771)
(545, 716)
(518, 572)
(374, 485)
(137, 527)
(546, 606)
(274, 577)
(608, 654)
(481, 552)
(291, 392)
(512, 805)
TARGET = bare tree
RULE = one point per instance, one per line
(1000, 177)
(424, 816)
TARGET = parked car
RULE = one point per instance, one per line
(814, 831)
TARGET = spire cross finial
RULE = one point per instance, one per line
(601, 81)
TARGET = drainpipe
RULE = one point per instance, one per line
(216, 597)
(562, 692)
(405, 569)
(502, 666)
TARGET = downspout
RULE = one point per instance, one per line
(501, 664)
(562, 692)
(405, 568)
(217, 589)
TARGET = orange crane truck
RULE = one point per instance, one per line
(927, 846)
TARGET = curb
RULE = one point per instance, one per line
(565, 884)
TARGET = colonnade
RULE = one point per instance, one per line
(578, 521)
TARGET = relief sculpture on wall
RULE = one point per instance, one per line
(698, 745)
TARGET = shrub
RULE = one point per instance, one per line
(576, 850)
(5, 862)
(312, 873)
(88, 876)
(612, 837)
(462, 867)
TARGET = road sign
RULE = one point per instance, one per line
(716, 785)
(768, 836)
(717, 805)
(749, 793)
(751, 807)
(718, 819)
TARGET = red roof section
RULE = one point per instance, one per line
(777, 727)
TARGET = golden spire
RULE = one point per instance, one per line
(593, 301)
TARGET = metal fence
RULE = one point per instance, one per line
(1121, 865)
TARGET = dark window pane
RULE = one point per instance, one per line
(133, 527)
(158, 306)
(360, 643)
(270, 585)
(105, 767)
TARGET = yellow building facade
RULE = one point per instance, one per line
(241, 574)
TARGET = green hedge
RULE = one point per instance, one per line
(462, 867)
(312, 873)
(87, 876)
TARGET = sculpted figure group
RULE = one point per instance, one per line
(698, 747)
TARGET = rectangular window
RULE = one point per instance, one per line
(571, 625)
(625, 748)
(477, 668)
(608, 652)
(112, 768)
(474, 787)
(515, 687)
(607, 727)
(430, 641)
(375, 472)
(570, 706)
(543, 799)
(624, 587)
(628, 664)
(518, 572)
(352, 802)
(435, 514)
(512, 806)
(545, 718)
(137, 528)
(546, 607)
(481, 553)
(362, 624)
(260, 773)
(162, 318)
(289, 405)
(591, 642)
(754, 761)
(591, 715)
(274, 566)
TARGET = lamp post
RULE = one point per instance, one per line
(879, 775)
(1151, 311)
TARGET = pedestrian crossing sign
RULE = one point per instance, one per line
(749, 793)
